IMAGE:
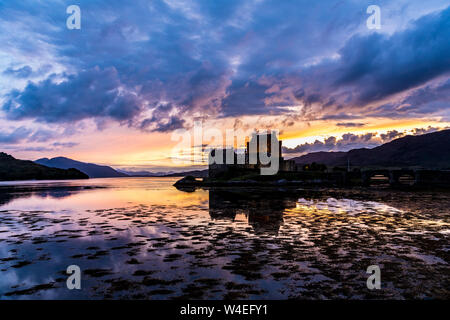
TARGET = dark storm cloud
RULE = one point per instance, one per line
(381, 65)
(429, 99)
(172, 124)
(246, 99)
(91, 93)
(164, 119)
(222, 58)
(371, 68)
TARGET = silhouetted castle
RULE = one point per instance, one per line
(257, 152)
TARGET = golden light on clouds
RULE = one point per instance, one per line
(124, 147)
(320, 130)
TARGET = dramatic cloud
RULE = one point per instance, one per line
(21, 134)
(24, 72)
(419, 131)
(92, 93)
(157, 65)
(64, 144)
(381, 65)
(346, 142)
(350, 124)
(371, 68)
(27, 72)
(350, 141)
(16, 136)
(390, 135)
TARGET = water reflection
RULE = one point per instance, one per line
(8, 194)
(263, 210)
(144, 239)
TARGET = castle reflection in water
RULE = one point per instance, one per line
(264, 211)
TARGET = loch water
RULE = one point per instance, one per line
(141, 238)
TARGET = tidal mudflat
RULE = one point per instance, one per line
(141, 238)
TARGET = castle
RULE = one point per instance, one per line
(259, 152)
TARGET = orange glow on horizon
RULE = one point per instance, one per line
(122, 147)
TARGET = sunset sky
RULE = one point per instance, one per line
(114, 91)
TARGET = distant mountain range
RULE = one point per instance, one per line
(144, 173)
(98, 171)
(430, 150)
(14, 169)
(194, 173)
(91, 169)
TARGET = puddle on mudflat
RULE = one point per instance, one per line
(143, 239)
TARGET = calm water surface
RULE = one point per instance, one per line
(141, 238)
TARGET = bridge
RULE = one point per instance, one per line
(397, 177)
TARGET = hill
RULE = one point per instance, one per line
(14, 169)
(194, 173)
(144, 173)
(430, 150)
(91, 169)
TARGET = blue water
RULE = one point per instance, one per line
(141, 238)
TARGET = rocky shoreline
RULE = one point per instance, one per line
(187, 183)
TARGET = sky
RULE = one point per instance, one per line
(119, 89)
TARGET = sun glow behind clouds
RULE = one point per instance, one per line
(322, 130)
(252, 64)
